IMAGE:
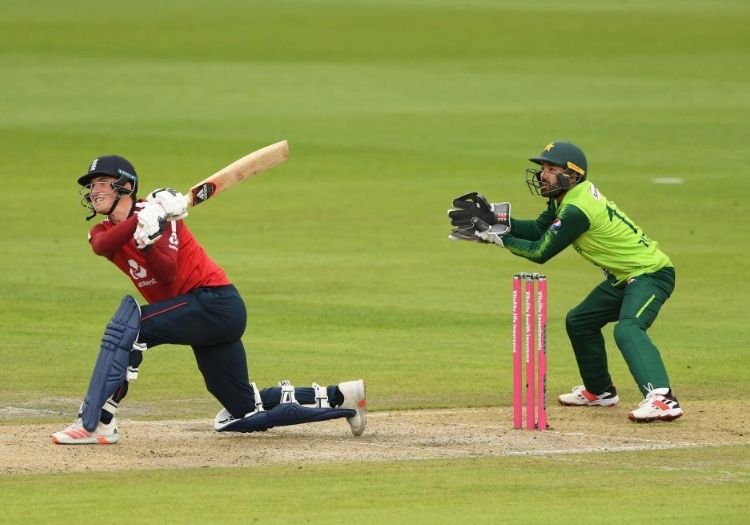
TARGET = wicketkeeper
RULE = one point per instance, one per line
(190, 302)
(639, 276)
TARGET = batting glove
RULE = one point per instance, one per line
(151, 222)
(173, 202)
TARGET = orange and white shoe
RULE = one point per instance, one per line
(355, 398)
(75, 434)
(582, 397)
(659, 405)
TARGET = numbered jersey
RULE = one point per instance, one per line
(612, 241)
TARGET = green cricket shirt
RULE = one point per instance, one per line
(596, 228)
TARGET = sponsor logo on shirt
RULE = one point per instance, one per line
(555, 226)
(139, 273)
(136, 270)
(141, 284)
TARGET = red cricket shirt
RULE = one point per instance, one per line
(174, 265)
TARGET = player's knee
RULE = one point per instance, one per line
(575, 323)
(624, 329)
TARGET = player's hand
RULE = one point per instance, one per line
(469, 208)
(473, 210)
(501, 210)
(175, 204)
(464, 234)
(490, 234)
(151, 222)
(473, 207)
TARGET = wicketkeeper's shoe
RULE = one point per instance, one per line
(582, 397)
(355, 398)
(75, 434)
(659, 405)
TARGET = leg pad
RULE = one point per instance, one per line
(282, 415)
(112, 362)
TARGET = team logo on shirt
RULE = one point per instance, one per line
(555, 226)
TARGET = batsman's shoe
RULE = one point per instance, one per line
(75, 434)
(355, 398)
(583, 398)
(659, 405)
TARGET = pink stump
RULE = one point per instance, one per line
(516, 352)
(529, 320)
(542, 353)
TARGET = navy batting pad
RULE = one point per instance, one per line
(112, 362)
(283, 415)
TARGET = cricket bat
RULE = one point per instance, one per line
(239, 170)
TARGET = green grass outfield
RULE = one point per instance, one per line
(634, 488)
(391, 109)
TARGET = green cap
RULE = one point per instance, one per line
(565, 154)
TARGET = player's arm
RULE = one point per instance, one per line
(533, 229)
(107, 242)
(161, 256)
(573, 222)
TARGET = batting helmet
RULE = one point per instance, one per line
(113, 166)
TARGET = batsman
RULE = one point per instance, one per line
(190, 301)
(639, 277)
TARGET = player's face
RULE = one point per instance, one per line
(548, 177)
(102, 195)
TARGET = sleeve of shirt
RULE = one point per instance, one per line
(533, 229)
(561, 233)
(107, 242)
(162, 256)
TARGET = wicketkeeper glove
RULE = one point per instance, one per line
(463, 234)
(472, 209)
(490, 234)
(175, 204)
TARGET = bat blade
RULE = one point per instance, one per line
(239, 170)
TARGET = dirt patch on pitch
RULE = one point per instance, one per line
(408, 435)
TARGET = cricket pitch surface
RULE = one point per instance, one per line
(390, 436)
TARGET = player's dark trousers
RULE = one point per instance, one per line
(212, 321)
(634, 307)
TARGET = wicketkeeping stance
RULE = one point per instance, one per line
(639, 276)
(190, 302)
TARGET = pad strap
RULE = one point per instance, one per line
(136, 357)
(111, 406)
(287, 392)
(258, 400)
(321, 396)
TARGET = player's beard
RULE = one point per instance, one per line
(547, 189)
